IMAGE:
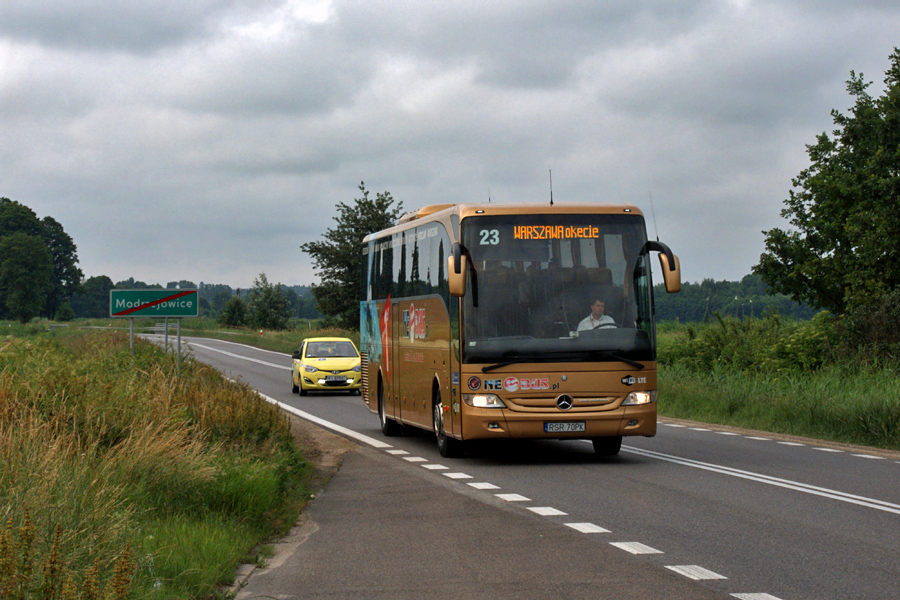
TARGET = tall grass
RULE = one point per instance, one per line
(120, 479)
(777, 375)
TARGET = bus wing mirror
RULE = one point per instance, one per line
(456, 270)
(671, 272)
(671, 268)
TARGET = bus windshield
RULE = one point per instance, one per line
(557, 288)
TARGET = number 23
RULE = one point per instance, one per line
(489, 237)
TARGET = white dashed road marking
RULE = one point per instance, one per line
(586, 527)
(482, 485)
(546, 511)
(513, 497)
(695, 572)
(635, 548)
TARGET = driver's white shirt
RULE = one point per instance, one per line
(589, 322)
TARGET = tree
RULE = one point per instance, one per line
(18, 218)
(844, 248)
(91, 301)
(271, 309)
(26, 269)
(66, 274)
(338, 258)
(235, 313)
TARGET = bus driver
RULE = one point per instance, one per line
(596, 320)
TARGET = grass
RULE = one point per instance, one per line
(278, 341)
(121, 479)
(773, 375)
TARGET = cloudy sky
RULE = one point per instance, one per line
(207, 139)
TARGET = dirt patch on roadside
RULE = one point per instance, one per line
(322, 448)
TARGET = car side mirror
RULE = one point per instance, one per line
(296, 355)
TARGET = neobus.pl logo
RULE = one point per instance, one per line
(511, 384)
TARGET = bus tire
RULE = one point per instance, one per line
(389, 427)
(607, 446)
(448, 446)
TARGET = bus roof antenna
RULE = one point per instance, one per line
(551, 187)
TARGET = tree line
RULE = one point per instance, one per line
(39, 277)
(747, 298)
(92, 298)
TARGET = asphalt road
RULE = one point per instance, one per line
(749, 515)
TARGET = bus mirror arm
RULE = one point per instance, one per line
(671, 268)
(457, 258)
(456, 269)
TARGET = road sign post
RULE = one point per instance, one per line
(155, 303)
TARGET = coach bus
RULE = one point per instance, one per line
(498, 321)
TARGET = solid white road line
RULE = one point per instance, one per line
(775, 481)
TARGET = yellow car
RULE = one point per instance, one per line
(325, 365)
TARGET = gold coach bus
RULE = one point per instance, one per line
(500, 321)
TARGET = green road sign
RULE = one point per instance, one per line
(153, 303)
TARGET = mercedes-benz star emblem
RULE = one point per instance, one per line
(564, 402)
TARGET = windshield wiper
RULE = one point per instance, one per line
(502, 364)
(522, 359)
(627, 361)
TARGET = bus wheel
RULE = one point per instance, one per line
(607, 446)
(447, 446)
(389, 427)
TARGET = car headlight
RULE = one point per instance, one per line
(483, 400)
(357, 368)
(637, 398)
(310, 368)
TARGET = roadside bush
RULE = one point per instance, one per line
(871, 332)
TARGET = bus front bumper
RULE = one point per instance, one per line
(504, 423)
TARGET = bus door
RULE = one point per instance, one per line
(396, 354)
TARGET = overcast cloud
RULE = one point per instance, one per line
(206, 140)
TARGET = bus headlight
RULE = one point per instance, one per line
(483, 400)
(637, 398)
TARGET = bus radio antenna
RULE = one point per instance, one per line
(551, 187)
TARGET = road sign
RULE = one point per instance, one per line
(153, 303)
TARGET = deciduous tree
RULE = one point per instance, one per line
(65, 277)
(26, 269)
(843, 249)
(270, 308)
(339, 257)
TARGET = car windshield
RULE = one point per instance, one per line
(330, 350)
(561, 287)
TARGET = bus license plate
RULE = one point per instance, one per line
(564, 427)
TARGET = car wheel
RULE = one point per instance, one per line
(302, 391)
(389, 427)
(448, 447)
(294, 387)
(607, 446)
